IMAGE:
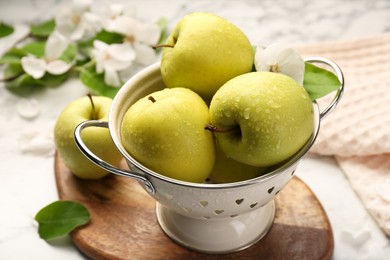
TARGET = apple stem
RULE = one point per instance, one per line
(215, 129)
(162, 46)
(151, 98)
(94, 117)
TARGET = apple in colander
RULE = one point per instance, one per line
(261, 118)
(165, 131)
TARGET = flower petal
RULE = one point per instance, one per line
(111, 77)
(82, 5)
(57, 67)
(122, 52)
(91, 23)
(56, 44)
(259, 62)
(37, 142)
(147, 33)
(292, 64)
(33, 66)
(123, 24)
(145, 54)
(99, 45)
(114, 10)
(77, 33)
(100, 53)
(28, 108)
(285, 60)
(116, 65)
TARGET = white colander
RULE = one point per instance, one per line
(210, 218)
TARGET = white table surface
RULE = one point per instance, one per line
(27, 179)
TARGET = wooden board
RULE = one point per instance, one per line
(123, 223)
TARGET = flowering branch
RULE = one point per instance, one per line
(100, 43)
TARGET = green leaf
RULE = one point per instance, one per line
(104, 36)
(22, 79)
(61, 217)
(43, 29)
(162, 23)
(96, 83)
(319, 82)
(35, 48)
(13, 56)
(51, 80)
(5, 30)
(109, 37)
(69, 54)
(12, 70)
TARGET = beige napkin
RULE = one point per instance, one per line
(357, 132)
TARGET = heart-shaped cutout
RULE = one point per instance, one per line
(239, 201)
(219, 211)
(270, 190)
(203, 203)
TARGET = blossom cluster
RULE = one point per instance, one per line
(106, 41)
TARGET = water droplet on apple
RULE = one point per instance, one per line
(228, 113)
(246, 113)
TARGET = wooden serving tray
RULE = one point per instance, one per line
(123, 223)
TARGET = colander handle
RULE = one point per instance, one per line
(339, 75)
(101, 163)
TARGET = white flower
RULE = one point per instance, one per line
(112, 59)
(56, 44)
(140, 35)
(112, 11)
(280, 59)
(77, 22)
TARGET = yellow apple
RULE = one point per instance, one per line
(227, 170)
(261, 118)
(97, 139)
(203, 52)
(165, 131)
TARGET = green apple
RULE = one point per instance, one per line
(165, 131)
(203, 52)
(261, 118)
(97, 139)
(227, 170)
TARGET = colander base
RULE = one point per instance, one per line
(218, 235)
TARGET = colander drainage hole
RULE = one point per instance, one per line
(239, 201)
(206, 217)
(233, 216)
(270, 190)
(203, 203)
(292, 172)
(219, 211)
(253, 205)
